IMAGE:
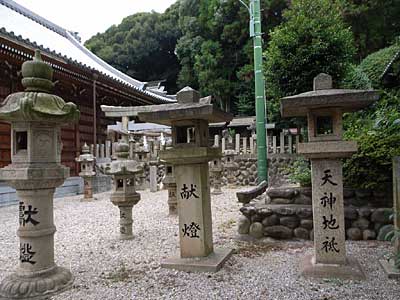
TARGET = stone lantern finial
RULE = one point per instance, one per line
(37, 75)
(322, 82)
(188, 95)
(85, 149)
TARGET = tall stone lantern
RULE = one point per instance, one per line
(36, 117)
(323, 108)
(190, 158)
(87, 161)
(123, 194)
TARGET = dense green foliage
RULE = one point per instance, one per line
(313, 39)
(142, 46)
(300, 172)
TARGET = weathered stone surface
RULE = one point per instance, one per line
(256, 230)
(384, 231)
(350, 213)
(303, 199)
(248, 211)
(354, 234)
(348, 193)
(306, 191)
(291, 221)
(243, 225)
(369, 234)
(278, 232)
(307, 224)
(363, 194)
(256, 218)
(301, 233)
(364, 212)
(377, 226)
(304, 212)
(285, 211)
(271, 220)
(281, 193)
(361, 223)
(264, 212)
(281, 201)
(246, 196)
(381, 215)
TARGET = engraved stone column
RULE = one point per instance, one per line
(36, 117)
(216, 171)
(216, 140)
(170, 183)
(324, 108)
(190, 158)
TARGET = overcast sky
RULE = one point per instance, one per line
(90, 16)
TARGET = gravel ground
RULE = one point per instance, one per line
(107, 268)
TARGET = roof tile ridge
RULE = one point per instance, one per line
(34, 17)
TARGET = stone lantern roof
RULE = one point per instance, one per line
(189, 107)
(86, 156)
(36, 103)
(324, 96)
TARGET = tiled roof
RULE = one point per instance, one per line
(21, 24)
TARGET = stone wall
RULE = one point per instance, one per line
(245, 169)
(286, 213)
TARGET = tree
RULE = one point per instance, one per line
(142, 46)
(312, 39)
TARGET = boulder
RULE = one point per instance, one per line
(303, 199)
(384, 231)
(243, 225)
(281, 201)
(369, 234)
(348, 193)
(284, 211)
(304, 212)
(364, 212)
(248, 211)
(270, 221)
(354, 234)
(291, 221)
(361, 223)
(307, 224)
(350, 213)
(256, 230)
(278, 232)
(301, 233)
(281, 193)
(381, 215)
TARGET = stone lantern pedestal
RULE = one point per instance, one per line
(324, 108)
(216, 172)
(123, 194)
(36, 117)
(190, 159)
(170, 184)
(87, 161)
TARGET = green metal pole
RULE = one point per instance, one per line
(255, 12)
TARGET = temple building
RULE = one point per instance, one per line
(80, 76)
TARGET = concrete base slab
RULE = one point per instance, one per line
(391, 271)
(212, 263)
(351, 271)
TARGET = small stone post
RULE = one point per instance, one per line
(223, 144)
(251, 145)
(36, 117)
(244, 145)
(102, 152)
(153, 178)
(190, 162)
(87, 161)
(324, 108)
(124, 194)
(230, 166)
(170, 183)
(97, 150)
(237, 143)
(216, 140)
(108, 149)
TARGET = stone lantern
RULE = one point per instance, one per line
(190, 158)
(170, 183)
(230, 167)
(123, 193)
(36, 117)
(216, 173)
(87, 161)
(140, 155)
(323, 108)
